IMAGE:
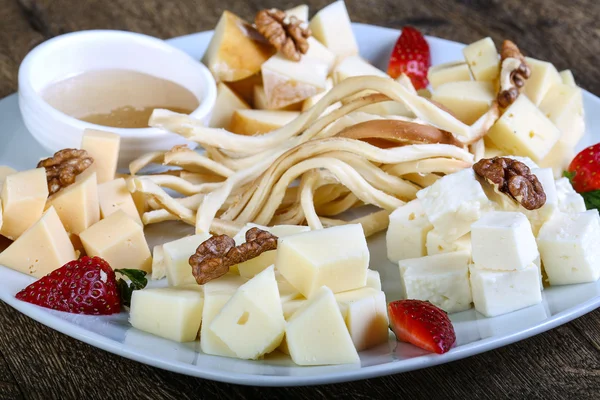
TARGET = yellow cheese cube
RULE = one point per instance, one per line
(332, 27)
(245, 88)
(319, 53)
(567, 77)
(114, 196)
(23, 198)
(524, 130)
(287, 292)
(559, 158)
(261, 102)
(543, 76)
(448, 72)
(317, 334)
(373, 279)
(41, 249)
(336, 257)
(103, 147)
(355, 66)
(256, 122)
(225, 105)
(174, 314)
(483, 59)
(468, 100)
(311, 101)
(300, 12)
(176, 258)
(4, 172)
(563, 105)
(159, 270)
(119, 240)
(77, 205)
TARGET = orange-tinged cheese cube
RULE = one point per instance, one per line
(103, 147)
(227, 102)
(120, 240)
(114, 196)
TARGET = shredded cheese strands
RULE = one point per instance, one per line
(478, 149)
(307, 187)
(181, 185)
(190, 160)
(150, 158)
(430, 165)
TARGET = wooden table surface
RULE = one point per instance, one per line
(39, 363)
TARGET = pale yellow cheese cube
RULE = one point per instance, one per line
(120, 240)
(483, 59)
(23, 198)
(468, 100)
(227, 283)
(103, 147)
(77, 205)
(317, 334)
(4, 172)
(256, 122)
(41, 249)
(332, 27)
(336, 257)
(563, 105)
(567, 77)
(174, 314)
(373, 279)
(159, 269)
(300, 12)
(318, 52)
(448, 72)
(176, 258)
(559, 158)
(114, 196)
(226, 104)
(355, 66)
(524, 130)
(261, 102)
(311, 101)
(543, 76)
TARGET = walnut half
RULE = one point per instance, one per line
(287, 35)
(513, 178)
(214, 256)
(64, 166)
(514, 71)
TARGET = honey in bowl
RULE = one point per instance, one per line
(118, 98)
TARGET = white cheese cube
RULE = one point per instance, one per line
(332, 27)
(316, 333)
(501, 292)
(563, 105)
(448, 72)
(436, 244)
(336, 257)
(543, 76)
(365, 313)
(569, 248)
(318, 52)
(569, 201)
(407, 232)
(373, 279)
(174, 314)
(453, 203)
(503, 241)
(468, 100)
(525, 160)
(159, 269)
(300, 12)
(104, 148)
(483, 59)
(226, 104)
(567, 77)
(442, 279)
(176, 258)
(251, 324)
(113, 196)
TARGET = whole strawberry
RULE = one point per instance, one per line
(84, 286)
(411, 55)
(422, 324)
(584, 173)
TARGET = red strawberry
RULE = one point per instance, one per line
(84, 286)
(411, 56)
(422, 324)
(585, 170)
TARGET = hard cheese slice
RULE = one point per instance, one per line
(114, 196)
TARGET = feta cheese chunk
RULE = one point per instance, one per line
(501, 292)
(543, 76)
(468, 100)
(453, 203)
(569, 201)
(483, 59)
(332, 27)
(316, 333)
(436, 244)
(174, 314)
(569, 248)
(503, 241)
(104, 148)
(336, 257)
(407, 232)
(442, 279)
(176, 258)
(251, 323)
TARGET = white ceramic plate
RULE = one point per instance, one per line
(475, 333)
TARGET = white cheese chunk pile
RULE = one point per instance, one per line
(407, 232)
(436, 244)
(569, 201)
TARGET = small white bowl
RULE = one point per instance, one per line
(75, 53)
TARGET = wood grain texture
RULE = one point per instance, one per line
(39, 363)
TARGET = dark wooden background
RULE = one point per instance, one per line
(38, 363)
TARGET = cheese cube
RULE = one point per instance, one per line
(365, 313)
(468, 100)
(251, 324)
(543, 76)
(176, 258)
(300, 12)
(483, 59)
(563, 105)
(41, 249)
(442, 279)
(233, 37)
(227, 283)
(103, 147)
(448, 72)
(559, 158)
(287, 292)
(4, 172)
(569, 201)
(355, 66)
(453, 203)
(244, 88)
(332, 27)
(312, 100)
(226, 104)
(501, 292)
(336, 257)
(373, 279)
(23, 198)
(288, 82)
(503, 240)
(569, 248)
(316, 333)
(77, 204)
(159, 269)
(114, 196)
(174, 314)
(524, 130)
(436, 244)
(407, 232)
(567, 77)
(119, 240)
(319, 53)
(258, 122)
(261, 102)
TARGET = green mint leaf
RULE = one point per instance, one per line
(137, 280)
(592, 199)
(569, 175)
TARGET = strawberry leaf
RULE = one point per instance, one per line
(135, 280)
(592, 199)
